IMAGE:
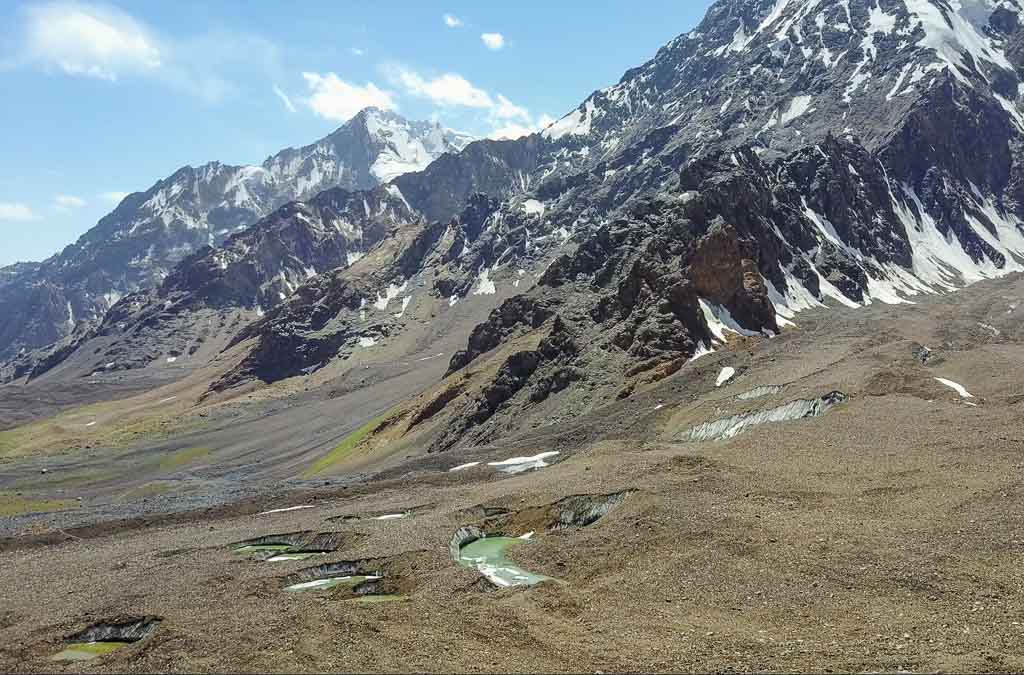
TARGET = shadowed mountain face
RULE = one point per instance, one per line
(138, 244)
(784, 155)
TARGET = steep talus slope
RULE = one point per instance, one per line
(418, 269)
(137, 244)
(216, 288)
(328, 315)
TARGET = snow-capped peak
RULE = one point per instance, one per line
(404, 146)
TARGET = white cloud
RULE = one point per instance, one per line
(284, 99)
(505, 109)
(511, 130)
(356, 51)
(82, 39)
(334, 99)
(67, 202)
(493, 41)
(446, 89)
(508, 119)
(89, 40)
(452, 21)
(113, 197)
(16, 212)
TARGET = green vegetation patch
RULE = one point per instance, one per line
(13, 505)
(84, 651)
(181, 458)
(12, 441)
(150, 489)
(344, 449)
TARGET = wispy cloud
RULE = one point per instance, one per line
(113, 197)
(82, 39)
(512, 130)
(66, 203)
(89, 41)
(335, 99)
(449, 89)
(356, 51)
(506, 118)
(16, 212)
(452, 21)
(284, 99)
(493, 41)
(505, 109)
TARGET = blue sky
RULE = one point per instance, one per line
(105, 99)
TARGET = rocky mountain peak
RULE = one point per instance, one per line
(138, 244)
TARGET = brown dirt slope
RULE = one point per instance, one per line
(883, 535)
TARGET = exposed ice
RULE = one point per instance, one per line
(576, 123)
(484, 285)
(702, 350)
(797, 107)
(316, 583)
(758, 392)
(725, 375)
(289, 557)
(290, 508)
(735, 425)
(389, 294)
(520, 464)
(405, 305)
(720, 321)
(956, 386)
(533, 207)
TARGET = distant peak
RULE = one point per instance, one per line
(374, 111)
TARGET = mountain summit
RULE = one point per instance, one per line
(138, 243)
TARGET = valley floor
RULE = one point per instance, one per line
(886, 534)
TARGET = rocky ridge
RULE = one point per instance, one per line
(781, 156)
(138, 244)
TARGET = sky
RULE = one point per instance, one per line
(103, 99)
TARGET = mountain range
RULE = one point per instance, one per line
(781, 156)
(729, 354)
(148, 233)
